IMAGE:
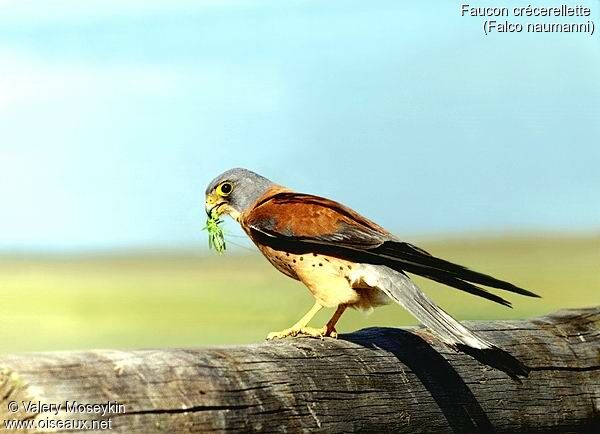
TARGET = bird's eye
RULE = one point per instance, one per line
(224, 189)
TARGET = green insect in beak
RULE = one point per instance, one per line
(216, 237)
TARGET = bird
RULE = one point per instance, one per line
(344, 259)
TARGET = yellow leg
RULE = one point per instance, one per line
(300, 327)
(330, 326)
(303, 322)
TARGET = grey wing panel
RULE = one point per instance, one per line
(406, 293)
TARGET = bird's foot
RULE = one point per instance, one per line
(303, 331)
(330, 332)
(296, 331)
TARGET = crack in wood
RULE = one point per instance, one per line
(193, 409)
(565, 368)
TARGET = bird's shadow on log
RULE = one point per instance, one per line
(454, 398)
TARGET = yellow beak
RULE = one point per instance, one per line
(211, 205)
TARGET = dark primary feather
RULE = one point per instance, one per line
(354, 240)
(409, 253)
(471, 289)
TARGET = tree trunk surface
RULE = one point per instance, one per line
(374, 380)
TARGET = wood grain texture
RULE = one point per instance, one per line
(374, 380)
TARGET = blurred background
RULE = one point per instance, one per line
(114, 116)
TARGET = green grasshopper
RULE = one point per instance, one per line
(216, 237)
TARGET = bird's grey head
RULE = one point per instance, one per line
(233, 191)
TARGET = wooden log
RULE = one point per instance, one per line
(374, 380)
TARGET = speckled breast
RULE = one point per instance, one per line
(283, 261)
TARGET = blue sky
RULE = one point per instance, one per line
(114, 117)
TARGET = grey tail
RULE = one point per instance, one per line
(404, 292)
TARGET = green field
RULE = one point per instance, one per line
(171, 300)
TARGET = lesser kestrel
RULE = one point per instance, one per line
(343, 258)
